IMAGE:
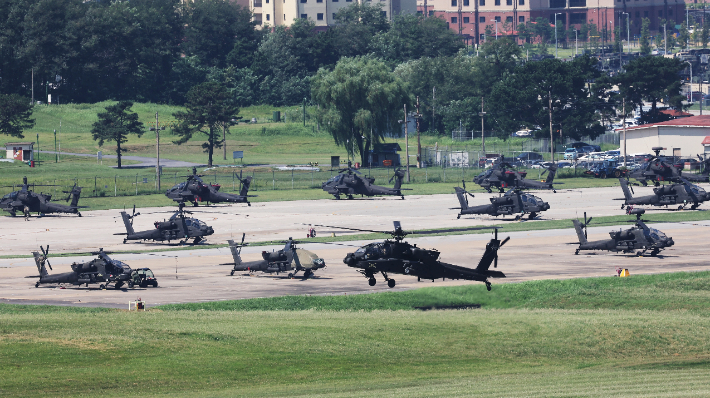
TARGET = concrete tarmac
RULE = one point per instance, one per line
(195, 275)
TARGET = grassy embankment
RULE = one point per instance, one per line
(637, 336)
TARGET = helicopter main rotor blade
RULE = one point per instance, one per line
(504, 242)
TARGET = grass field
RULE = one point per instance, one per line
(637, 336)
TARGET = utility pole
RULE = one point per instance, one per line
(224, 139)
(475, 15)
(157, 129)
(623, 110)
(419, 141)
(433, 106)
(483, 136)
(552, 137)
(406, 139)
(459, 20)
(33, 86)
(665, 40)
(56, 156)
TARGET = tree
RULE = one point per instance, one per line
(15, 112)
(683, 36)
(652, 79)
(705, 36)
(356, 26)
(645, 44)
(659, 40)
(617, 39)
(359, 102)
(697, 31)
(115, 124)
(208, 110)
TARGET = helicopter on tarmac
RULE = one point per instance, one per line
(499, 176)
(290, 258)
(350, 182)
(195, 190)
(512, 202)
(399, 257)
(639, 238)
(657, 169)
(102, 270)
(681, 194)
(177, 227)
(27, 201)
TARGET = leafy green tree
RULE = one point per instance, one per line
(659, 40)
(359, 101)
(705, 35)
(355, 27)
(644, 38)
(15, 113)
(697, 32)
(208, 110)
(617, 40)
(683, 36)
(413, 36)
(652, 79)
(115, 124)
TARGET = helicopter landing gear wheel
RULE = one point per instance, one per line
(231, 273)
(402, 197)
(680, 207)
(655, 252)
(639, 253)
(372, 281)
(118, 285)
(78, 213)
(350, 197)
(458, 216)
(124, 241)
(194, 204)
(102, 286)
(622, 206)
(131, 284)
(37, 284)
(337, 197)
(391, 283)
(488, 286)
(532, 216)
(693, 207)
(617, 173)
(576, 252)
(290, 276)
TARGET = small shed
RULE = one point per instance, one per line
(22, 151)
(385, 155)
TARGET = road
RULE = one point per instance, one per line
(144, 161)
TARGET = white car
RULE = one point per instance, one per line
(523, 133)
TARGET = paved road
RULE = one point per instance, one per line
(144, 161)
(195, 275)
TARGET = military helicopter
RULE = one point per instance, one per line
(290, 258)
(395, 256)
(195, 190)
(513, 202)
(658, 169)
(176, 227)
(499, 176)
(102, 270)
(26, 202)
(350, 182)
(639, 238)
(682, 194)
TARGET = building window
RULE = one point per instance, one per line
(431, 13)
(384, 14)
(645, 14)
(497, 2)
(268, 17)
(319, 1)
(577, 3)
(670, 13)
(578, 18)
(257, 3)
(465, 3)
(509, 2)
(509, 19)
(521, 19)
(453, 3)
(521, 2)
(267, 1)
(481, 2)
(319, 16)
(558, 3)
(304, 16)
(420, 12)
(303, 1)
(638, 14)
(454, 20)
(497, 19)
(482, 36)
(257, 19)
(481, 19)
(465, 20)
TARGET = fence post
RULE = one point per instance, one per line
(273, 180)
(233, 172)
(95, 193)
(115, 177)
(136, 184)
(312, 173)
(291, 178)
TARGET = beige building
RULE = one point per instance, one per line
(322, 12)
(681, 137)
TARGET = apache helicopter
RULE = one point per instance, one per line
(290, 258)
(195, 190)
(500, 177)
(639, 238)
(658, 169)
(395, 256)
(26, 202)
(513, 202)
(102, 270)
(176, 227)
(350, 182)
(681, 194)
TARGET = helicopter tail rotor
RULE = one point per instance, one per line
(45, 254)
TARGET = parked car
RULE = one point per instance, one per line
(571, 154)
(528, 157)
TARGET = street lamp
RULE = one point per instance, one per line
(628, 34)
(575, 42)
(556, 14)
(496, 22)
(690, 85)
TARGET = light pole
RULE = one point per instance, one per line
(556, 14)
(628, 34)
(665, 40)
(496, 22)
(483, 136)
(157, 129)
(575, 42)
(690, 85)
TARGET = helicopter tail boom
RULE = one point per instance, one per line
(460, 194)
(127, 223)
(40, 264)
(551, 175)
(580, 233)
(75, 193)
(245, 186)
(235, 252)
(625, 188)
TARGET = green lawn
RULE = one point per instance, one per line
(637, 336)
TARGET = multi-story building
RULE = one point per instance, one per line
(470, 17)
(322, 12)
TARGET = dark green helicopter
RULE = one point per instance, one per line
(351, 182)
(512, 202)
(289, 259)
(102, 270)
(657, 169)
(177, 227)
(500, 176)
(195, 190)
(394, 256)
(682, 195)
(639, 238)
(26, 201)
